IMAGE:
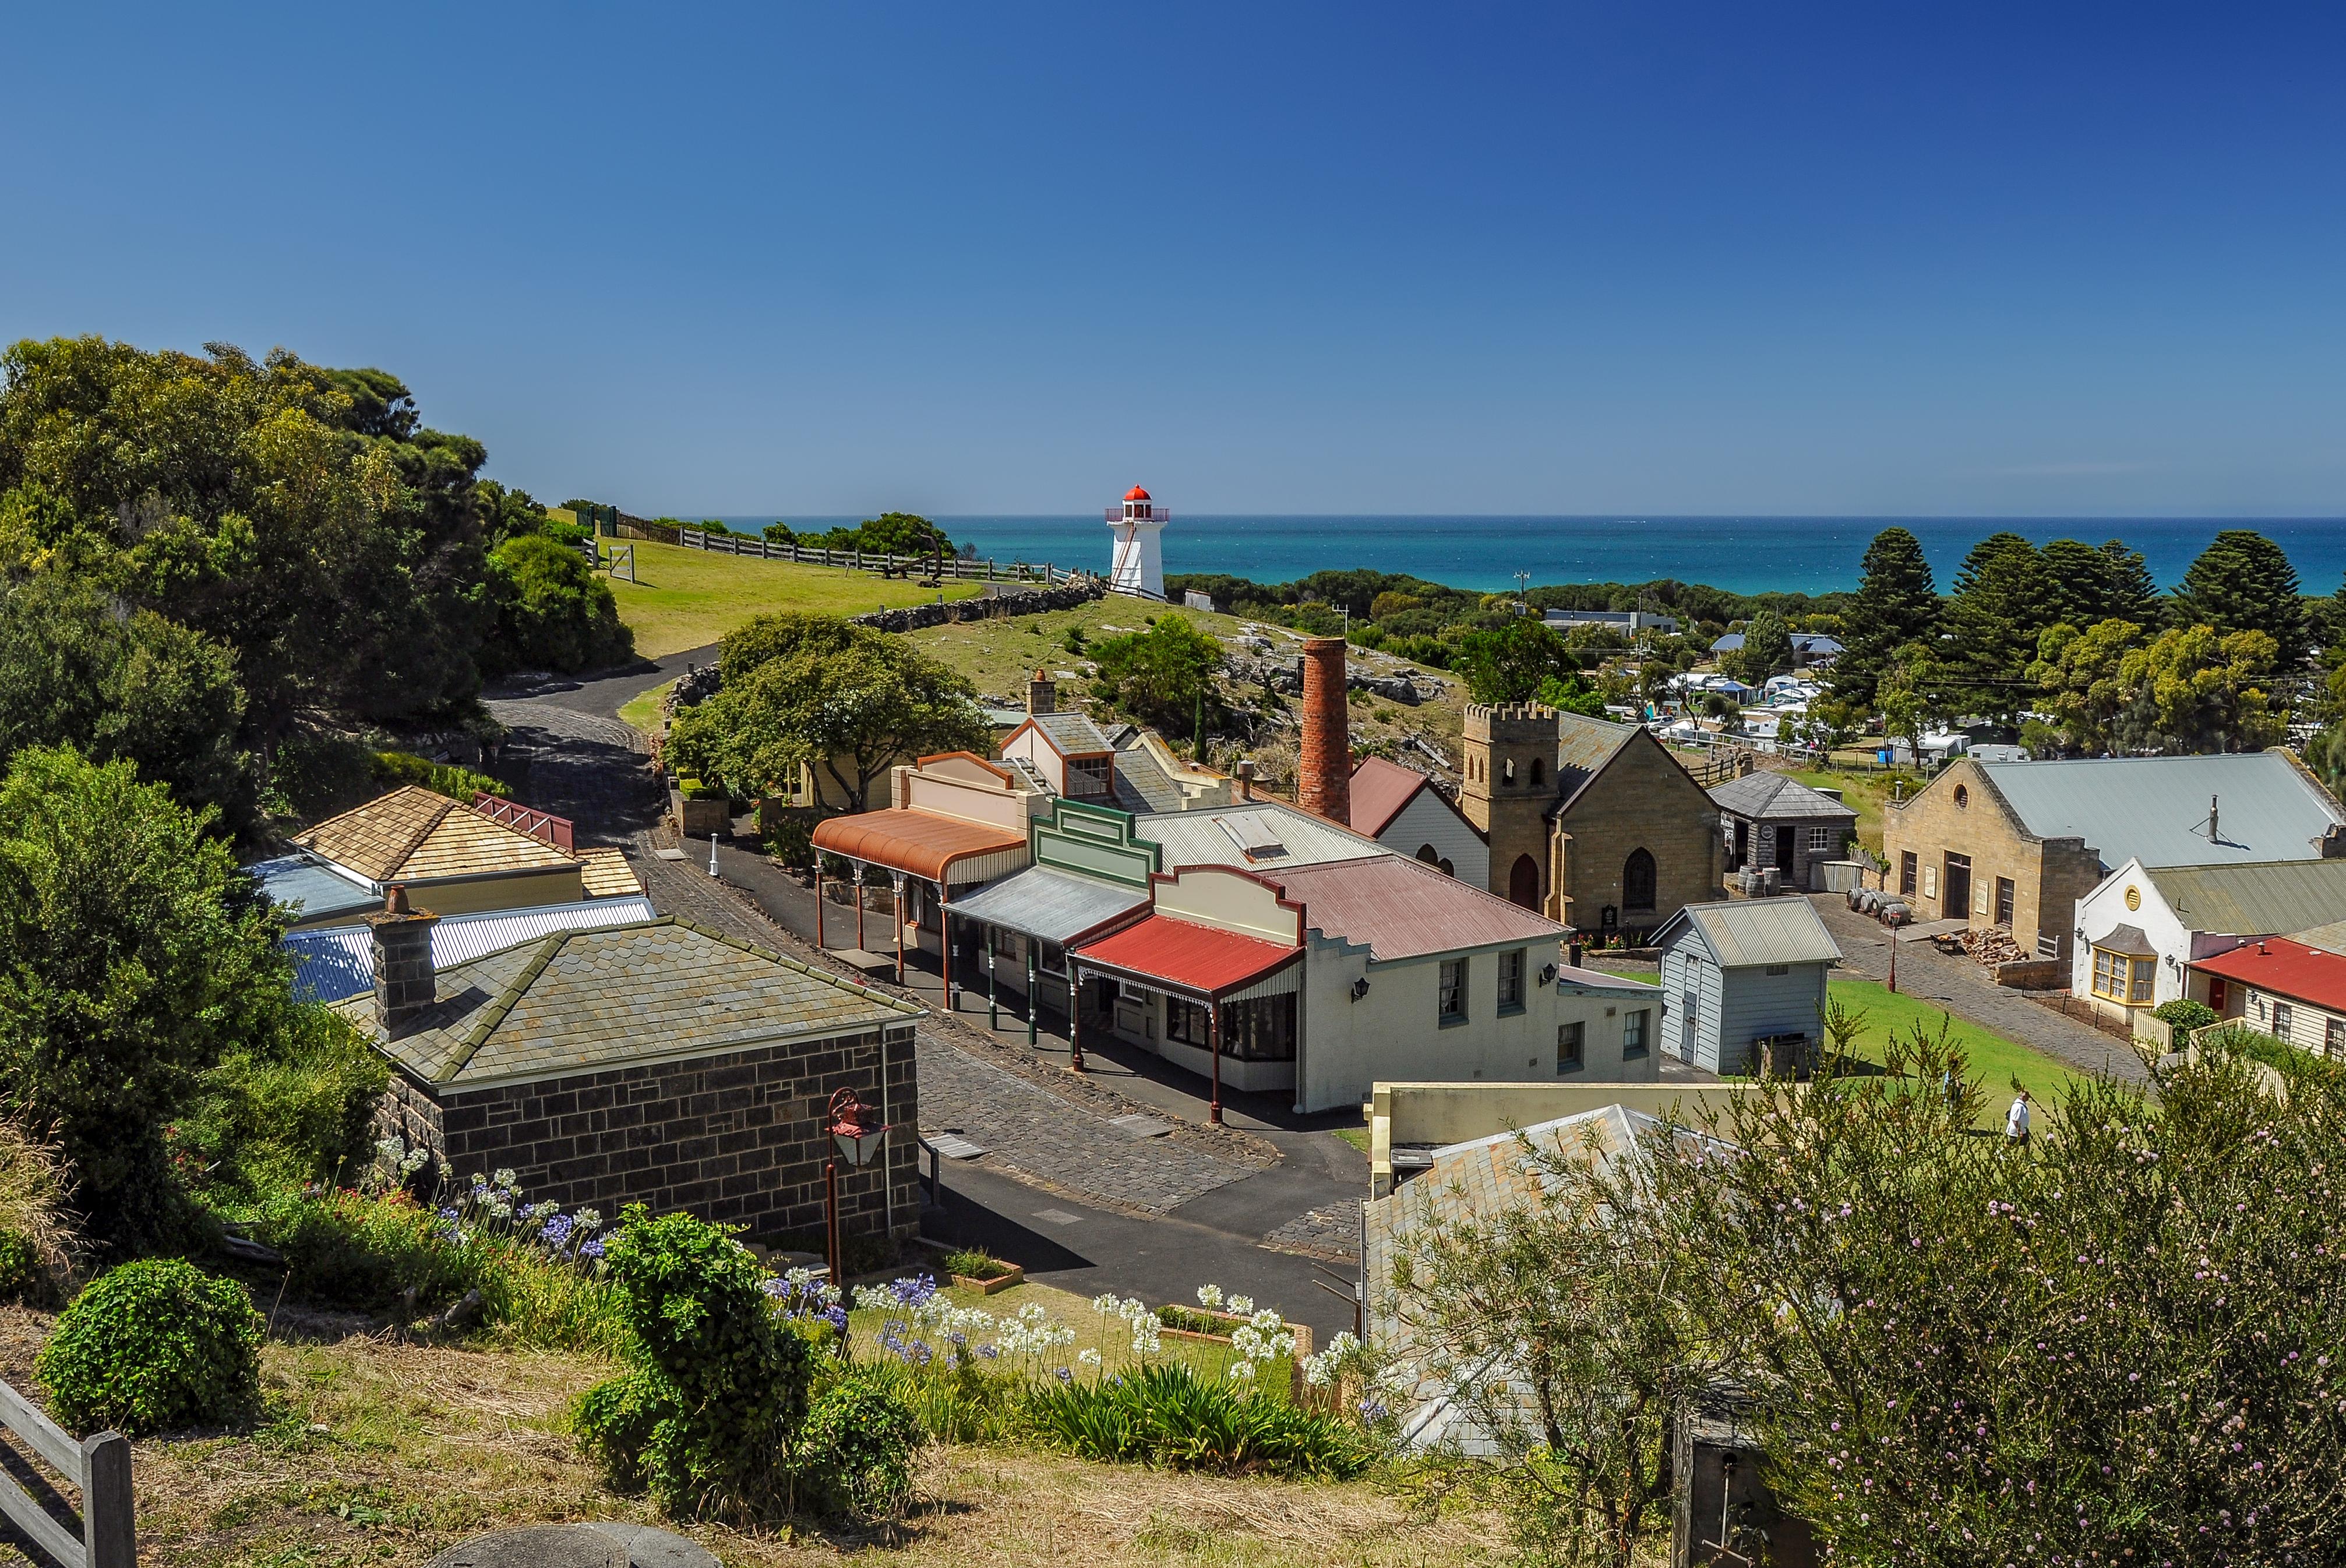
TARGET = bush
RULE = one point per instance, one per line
(718, 1386)
(154, 1345)
(790, 840)
(2182, 1016)
(974, 1263)
(553, 613)
(393, 769)
(855, 1455)
(287, 1112)
(1165, 1414)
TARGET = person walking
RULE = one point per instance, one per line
(2016, 1121)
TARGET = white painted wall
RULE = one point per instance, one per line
(1228, 899)
(2308, 1025)
(1430, 820)
(2104, 910)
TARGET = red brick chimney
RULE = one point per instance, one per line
(405, 980)
(1325, 782)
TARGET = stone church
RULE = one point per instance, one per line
(1592, 823)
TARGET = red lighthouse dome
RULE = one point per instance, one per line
(1135, 494)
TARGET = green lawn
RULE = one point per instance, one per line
(1995, 1061)
(1356, 1136)
(643, 712)
(688, 598)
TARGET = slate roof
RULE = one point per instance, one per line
(1740, 933)
(2255, 899)
(416, 836)
(589, 1001)
(1141, 782)
(1072, 734)
(2155, 809)
(338, 961)
(1584, 745)
(1401, 908)
(1379, 789)
(1773, 796)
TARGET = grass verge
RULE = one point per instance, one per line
(690, 598)
(1995, 1061)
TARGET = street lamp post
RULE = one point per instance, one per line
(896, 884)
(859, 1135)
(992, 994)
(1074, 1044)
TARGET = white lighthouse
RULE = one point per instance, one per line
(1139, 562)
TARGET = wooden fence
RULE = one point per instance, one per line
(98, 1466)
(946, 567)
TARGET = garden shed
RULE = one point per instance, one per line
(1772, 819)
(1743, 979)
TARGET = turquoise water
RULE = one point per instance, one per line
(1741, 555)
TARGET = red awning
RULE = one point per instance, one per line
(1162, 950)
(918, 843)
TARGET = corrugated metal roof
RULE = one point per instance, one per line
(1049, 905)
(2292, 969)
(308, 891)
(1399, 907)
(1379, 789)
(2257, 900)
(1196, 837)
(1186, 956)
(336, 962)
(1773, 795)
(921, 843)
(1740, 933)
(2155, 809)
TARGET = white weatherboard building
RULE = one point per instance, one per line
(1139, 567)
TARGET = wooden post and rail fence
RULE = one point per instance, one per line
(99, 1467)
(940, 567)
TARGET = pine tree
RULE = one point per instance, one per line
(1897, 604)
(2003, 601)
(2080, 584)
(2133, 592)
(2242, 581)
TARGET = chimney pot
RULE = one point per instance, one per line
(405, 981)
(1325, 787)
(1244, 773)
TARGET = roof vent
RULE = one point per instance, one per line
(1252, 832)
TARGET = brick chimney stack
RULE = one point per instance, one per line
(1042, 694)
(1244, 773)
(1325, 785)
(405, 980)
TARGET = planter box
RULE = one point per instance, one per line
(699, 819)
(999, 1283)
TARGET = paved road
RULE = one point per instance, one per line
(1152, 1216)
(1959, 986)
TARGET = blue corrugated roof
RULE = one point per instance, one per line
(310, 891)
(2155, 809)
(338, 961)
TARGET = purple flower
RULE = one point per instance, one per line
(915, 1292)
(989, 1351)
(557, 1230)
(449, 1215)
(1066, 1374)
(593, 1248)
(837, 1318)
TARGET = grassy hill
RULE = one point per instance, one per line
(689, 598)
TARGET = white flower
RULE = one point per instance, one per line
(1088, 1358)
(873, 1297)
(505, 1178)
(1145, 1337)
(1242, 1371)
(1209, 1296)
(587, 1219)
(390, 1148)
(1106, 1304)
(414, 1160)
(501, 1207)
(1240, 1304)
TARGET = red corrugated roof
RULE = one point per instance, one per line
(918, 842)
(1379, 789)
(1401, 908)
(1192, 957)
(2286, 968)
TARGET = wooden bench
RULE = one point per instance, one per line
(100, 1466)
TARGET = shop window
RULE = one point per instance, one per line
(2122, 978)
(1188, 1023)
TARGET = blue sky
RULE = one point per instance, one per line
(1876, 258)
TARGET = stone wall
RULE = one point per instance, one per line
(984, 607)
(1643, 799)
(1502, 803)
(737, 1139)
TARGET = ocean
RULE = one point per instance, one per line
(1741, 555)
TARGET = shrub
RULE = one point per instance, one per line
(855, 1455)
(718, 1386)
(286, 1111)
(974, 1263)
(392, 768)
(790, 840)
(1165, 1414)
(2182, 1016)
(153, 1346)
(552, 611)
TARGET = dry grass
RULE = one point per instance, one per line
(375, 1452)
(32, 1201)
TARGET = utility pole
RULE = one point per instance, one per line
(1523, 591)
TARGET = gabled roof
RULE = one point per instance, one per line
(1584, 745)
(2255, 899)
(1764, 794)
(2291, 969)
(1742, 932)
(589, 1001)
(1400, 908)
(413, 835)
(1379, 789)
(2155, 809)
(1070, 734)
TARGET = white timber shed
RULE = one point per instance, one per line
(1742, 979)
